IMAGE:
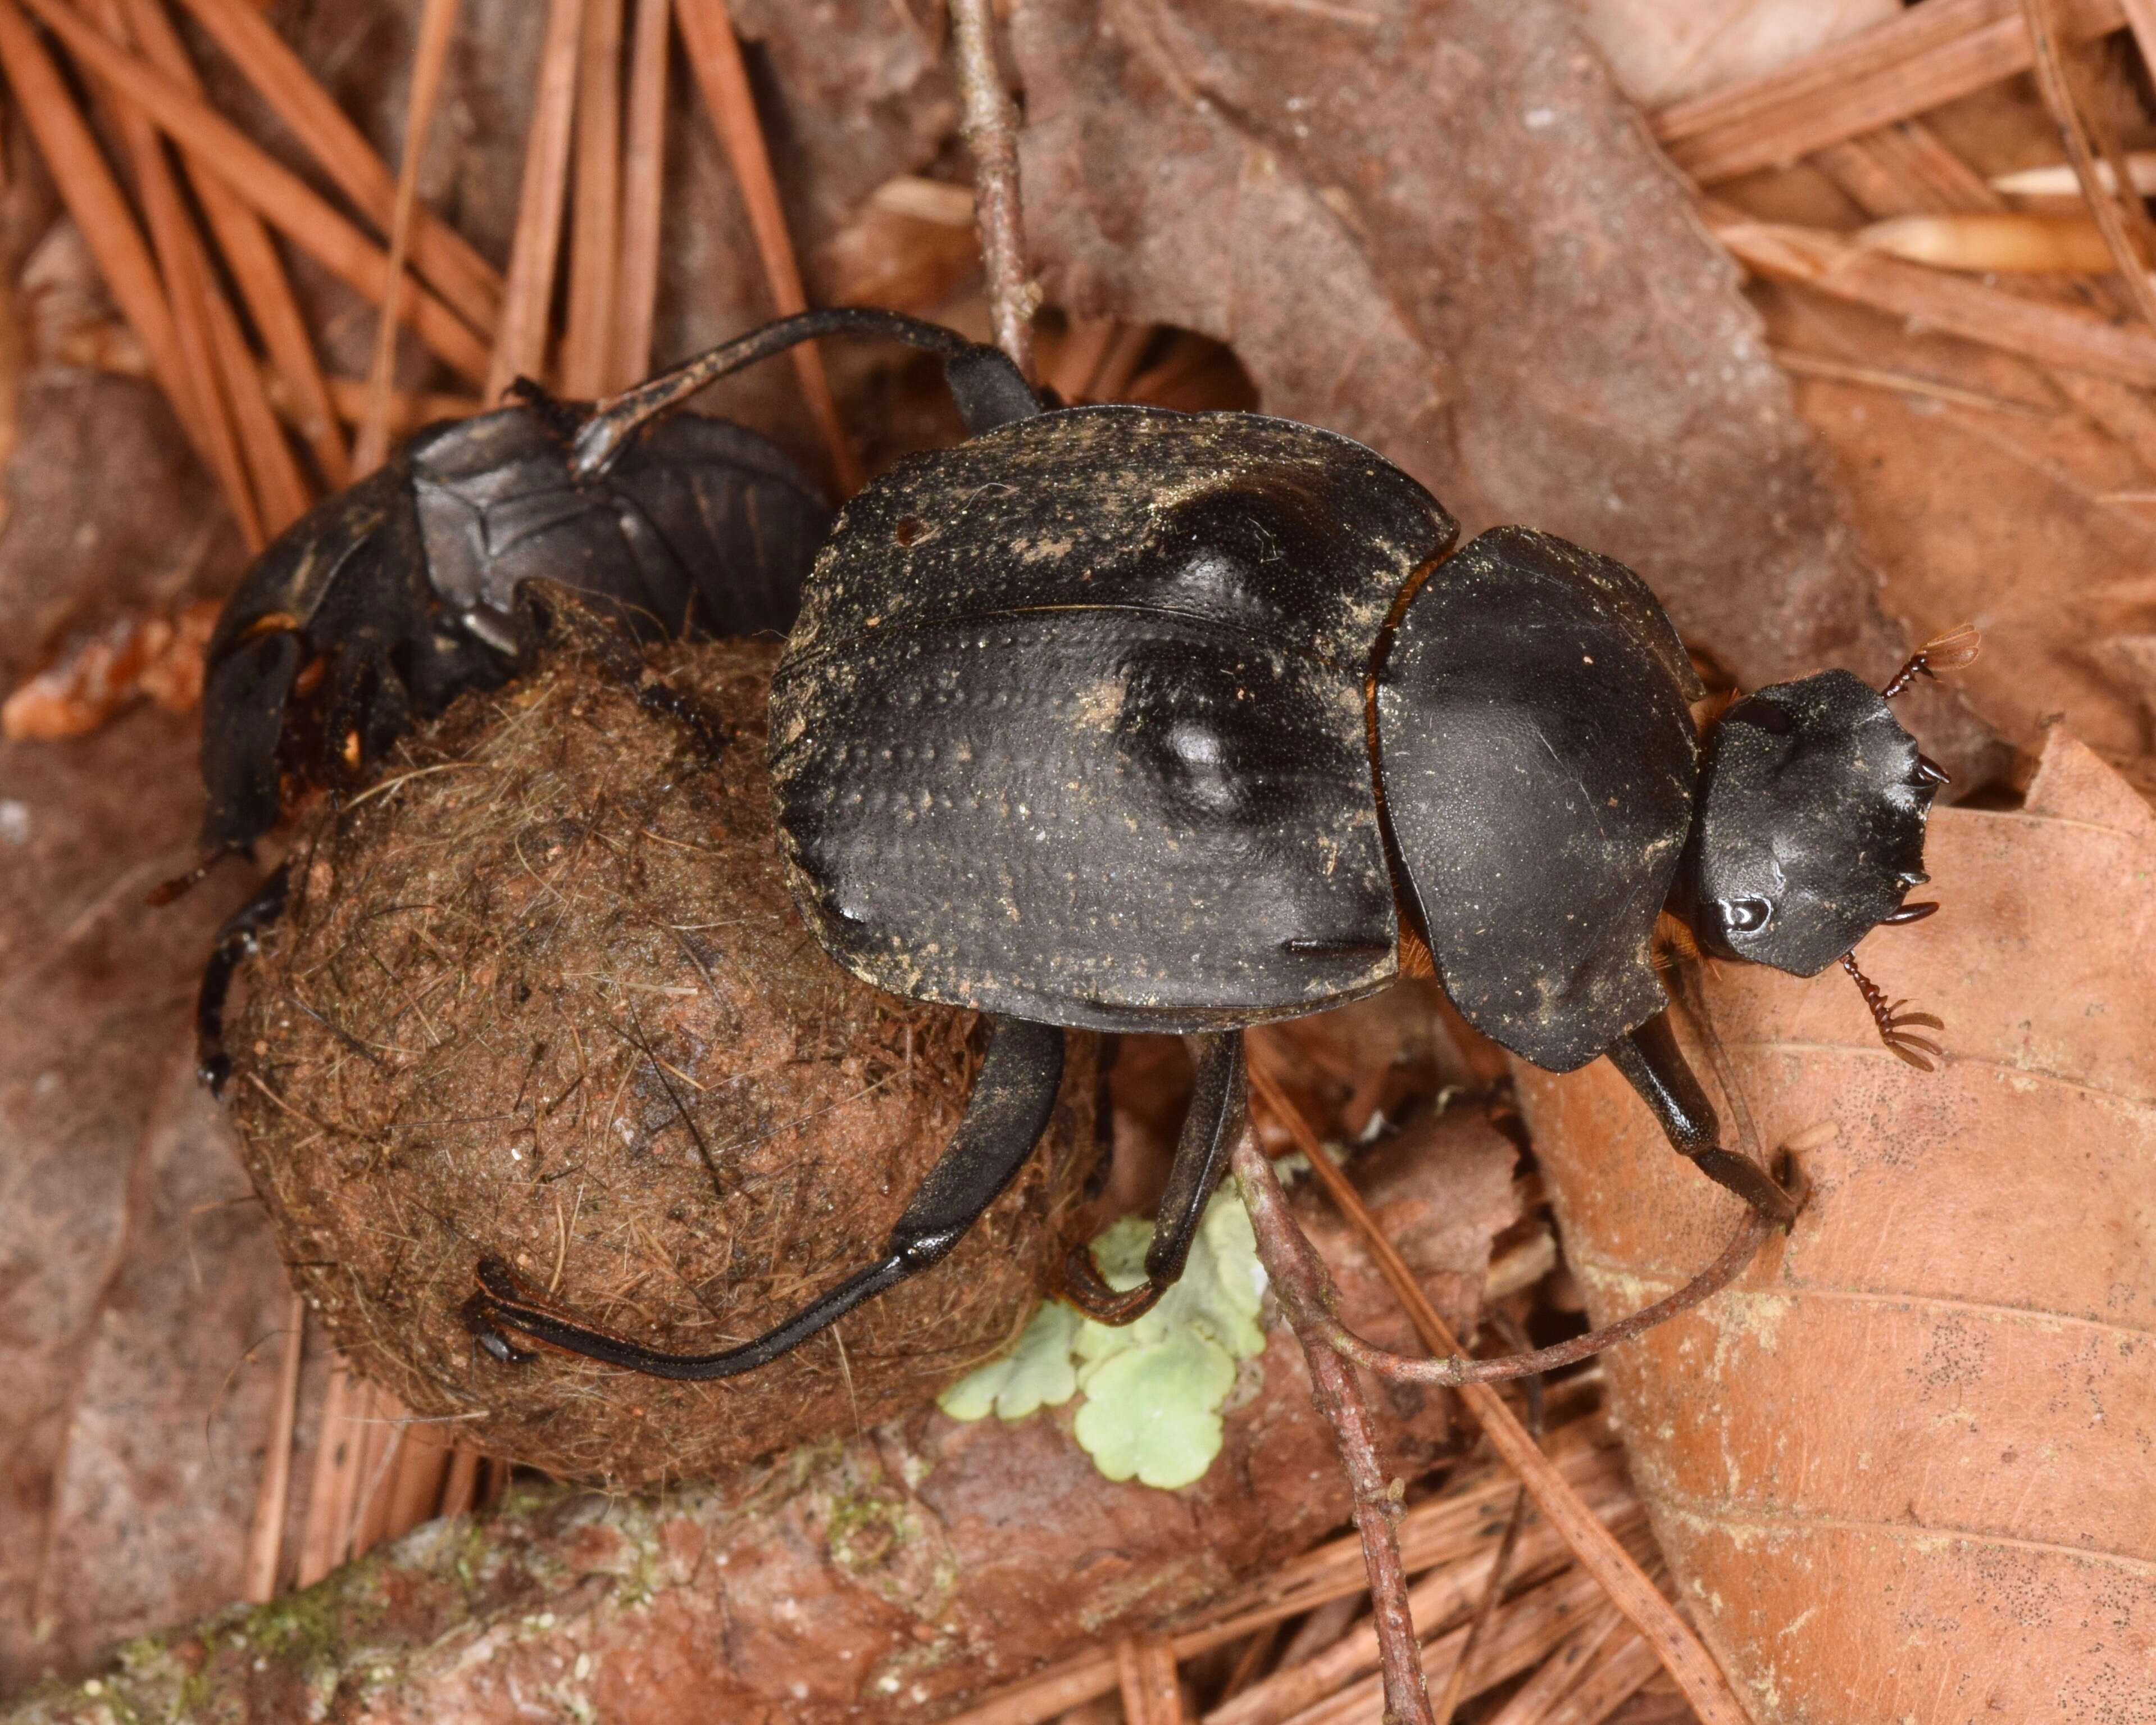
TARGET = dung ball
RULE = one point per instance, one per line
(541, 995)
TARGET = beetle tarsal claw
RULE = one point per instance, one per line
(488, 1336)
(1750, 1181)
(1083, 1288)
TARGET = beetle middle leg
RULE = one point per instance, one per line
(1201, 1157)
(1008, 1110)
(1651, 1060)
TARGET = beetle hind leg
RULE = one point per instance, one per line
(1650, 1059)
(1201, 1157)
(1005, 1115)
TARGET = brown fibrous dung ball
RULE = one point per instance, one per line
(541, 995)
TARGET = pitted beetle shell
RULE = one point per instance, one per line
(1072, 728)
(1537, 755)
(406, 582)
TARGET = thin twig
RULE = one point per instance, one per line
(707, 31)
(1598, 1553)
(1456, 1369)
(1446, 1530)
(438, 24)
(1448, 1597)
(2127, 234)
(1449, 1697)
(520, 340)
(989, 124)
(1300, 1278)
(643, 184)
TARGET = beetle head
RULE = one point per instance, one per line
(1809, 826)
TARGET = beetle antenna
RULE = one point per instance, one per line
(1893, 1023)
(989, 387)
(1673, 944)
(1950, 652)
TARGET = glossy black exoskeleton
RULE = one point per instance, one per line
(1123, 719)
(403, 586)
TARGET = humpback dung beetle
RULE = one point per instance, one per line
(387, 600)
(1121, 719)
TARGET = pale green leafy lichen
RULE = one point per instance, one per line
(1153, 1389)
(1153, 1413)
(1036, 1373)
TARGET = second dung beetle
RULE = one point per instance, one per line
(386, 601)
(1113, 718)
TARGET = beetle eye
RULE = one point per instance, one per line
(1746, 916)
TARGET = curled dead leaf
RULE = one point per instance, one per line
(1903, 1471)
(160, 657)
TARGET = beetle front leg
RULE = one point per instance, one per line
(237, 941)
(1651, 1060)
(1013, 1097)
(1201, 1157)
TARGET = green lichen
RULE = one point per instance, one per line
(1154, 1389)
(312, 1627)
(1038, 1371)
(864, 1530)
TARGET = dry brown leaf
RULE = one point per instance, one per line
(138, 1273)
(1662, 51)
(1441, 230)
(96, 679)
(1903, 1470)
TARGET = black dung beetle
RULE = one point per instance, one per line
(1129, 719)
(385, 601)
(403, 586)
